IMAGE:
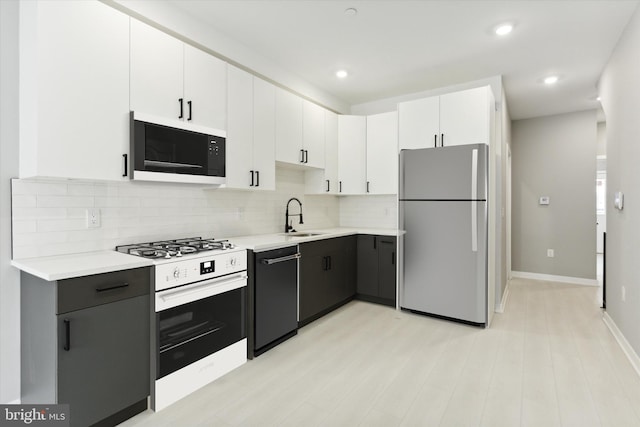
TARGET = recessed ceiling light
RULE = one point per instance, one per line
(551, 80)
(504, 29)
(352, 11)
(341, 74)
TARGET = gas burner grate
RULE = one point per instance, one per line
(174, 248)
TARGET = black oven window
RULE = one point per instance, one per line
(197, 329)
(175, 151)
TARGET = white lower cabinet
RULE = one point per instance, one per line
(250, 147)
(74, 90)
(382, 153)
(352, 154)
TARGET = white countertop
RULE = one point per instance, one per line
(76, 265)
(83, 264)
(263, 242)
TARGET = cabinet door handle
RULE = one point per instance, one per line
(393, 258)
(257, 178)
(112, 287)
(67, 334)
(328, 186)
(375, 243)
(329, 259)
(442, 140)
(125, 158)
(251, 185)
(189, 105)
(306, 156)
(435, 140)
(301, 156)
(340, 187)
(181, 101)
(367, 186)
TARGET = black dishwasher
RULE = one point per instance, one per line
(274, 297)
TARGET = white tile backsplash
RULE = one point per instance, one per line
(49, 215)
(369, 211)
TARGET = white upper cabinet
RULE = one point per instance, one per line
(205, 87)
(419, 123)
(325, 181)
(250, 148)
(352, 154)
(288, 127)
(455, 118)
(299, 131)
(173, 80)
(382, 153)
(264, 134)
(465, 116)
(74, 90)
(313, 138)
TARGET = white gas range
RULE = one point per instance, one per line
(200, 313)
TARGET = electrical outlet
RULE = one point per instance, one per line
(550, 253)
(93, 218)
(624, 294)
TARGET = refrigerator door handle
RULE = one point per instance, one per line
(474, 202)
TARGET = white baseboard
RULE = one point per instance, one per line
(552, 278)
(622, 341)
(503, 303)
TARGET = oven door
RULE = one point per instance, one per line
(209, 321)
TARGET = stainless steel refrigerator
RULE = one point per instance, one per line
(443, 209)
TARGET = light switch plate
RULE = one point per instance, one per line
(544, 200)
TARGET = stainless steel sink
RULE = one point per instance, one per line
(301, 234)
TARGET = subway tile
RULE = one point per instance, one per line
(28, 226)
(64, 201)
(62, 224)
(23, 201)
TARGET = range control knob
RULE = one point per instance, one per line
(233, 262)
(176, 273)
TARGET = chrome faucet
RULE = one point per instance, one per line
(287, 226)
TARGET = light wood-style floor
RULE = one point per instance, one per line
(549, 360)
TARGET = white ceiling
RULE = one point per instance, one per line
(396, 47)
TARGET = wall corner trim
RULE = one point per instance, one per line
(622, 341)
(505, 296)
(552, 278)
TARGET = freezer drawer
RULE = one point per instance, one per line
(445, 266)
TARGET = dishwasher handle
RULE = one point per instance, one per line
(269, 261)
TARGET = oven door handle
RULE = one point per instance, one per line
(189, 293)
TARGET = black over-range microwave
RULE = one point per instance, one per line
(173, 151)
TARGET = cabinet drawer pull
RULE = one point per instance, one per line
(442, 140)
(125, 161)
(270, 261)
(189, 105)
(112, 287)
(435, 140)
(306, 156)
(393, 258)
(181, 101)
(252, 182)
(328, 186)
(340, 187)
(301, 156)
(67, 334)
(257, 178)
(367, 186)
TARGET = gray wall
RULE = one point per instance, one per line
(9, 277)
(555, 156)
(620, 93)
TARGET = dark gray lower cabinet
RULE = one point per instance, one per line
(377, 269)
(327, 276)
(86, 343)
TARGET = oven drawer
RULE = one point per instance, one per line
(90, 291)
